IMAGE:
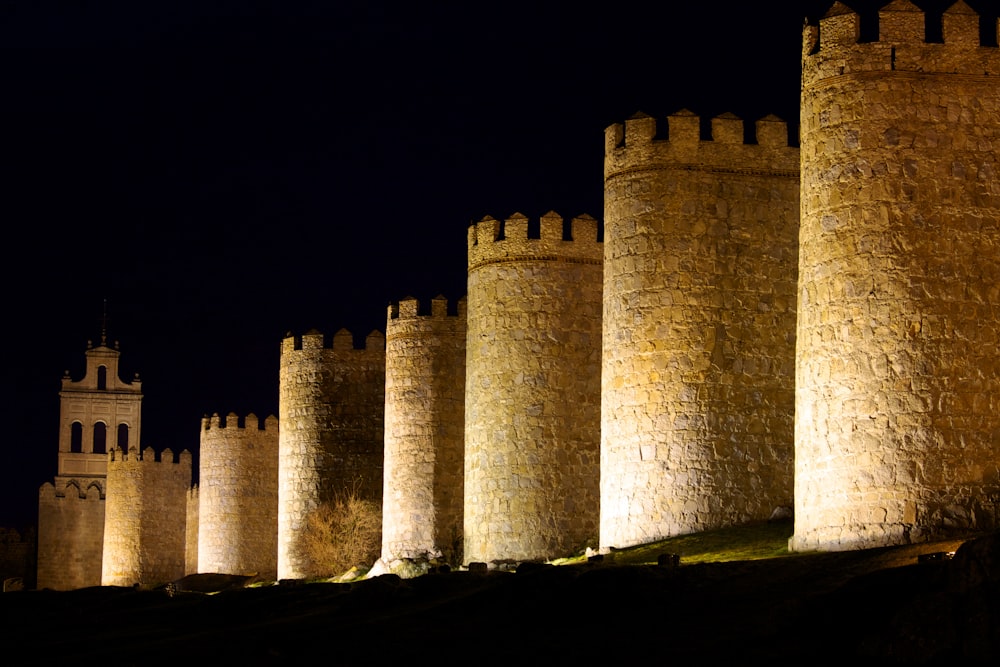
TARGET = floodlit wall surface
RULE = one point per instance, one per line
(422, 498)
(331, 406)
(238, 496)
(699, 326)
(145, 533)
(70, 535)
(898, 375)
(532, 406)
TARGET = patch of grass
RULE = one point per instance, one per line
(753, 541)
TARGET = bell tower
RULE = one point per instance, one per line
(97, 413)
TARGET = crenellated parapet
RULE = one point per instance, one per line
(832, 49)
(246, 424)
(493, 241)
(637, 144)
(74, 488)
(238, 497)
(406, 319)
(147, 456)
(341, 341)
(410, 308)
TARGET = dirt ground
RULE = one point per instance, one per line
(909, 604)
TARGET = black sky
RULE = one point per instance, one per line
(222, 173)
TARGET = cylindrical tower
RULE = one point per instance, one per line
(145, 517)
(532, 392)
(331, 404)
(699, 321)
(238, 496)
(422, 495)
(897, 430)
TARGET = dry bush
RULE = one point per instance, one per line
(344, 533)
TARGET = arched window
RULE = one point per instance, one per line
(100, 438)
(76, 437)
(102, 377)
(123, 437)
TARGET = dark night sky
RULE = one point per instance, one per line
(224, 172)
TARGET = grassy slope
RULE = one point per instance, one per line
(752, 541)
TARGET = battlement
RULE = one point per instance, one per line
(234, 421)
(72, 490)
(148, 455)
(491, 241)
(409, 308)
(637, 144)
(834, 48)
(341, 341)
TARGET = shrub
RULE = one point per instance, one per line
(343, 533)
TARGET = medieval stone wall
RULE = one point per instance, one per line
(699, 326)
(757, 323)
(238, 496)
(898, 376)
(532, 402)
(422, 497)
(331, 404)
(70, 535)
(145, 518)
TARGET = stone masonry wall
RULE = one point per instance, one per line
(191, 532)
(70, 536)
(145, 518)
(422, 497)
(238, 496)
(898, 375)
(532, 405)
(699, 322)
(331, 405)
(17, 558)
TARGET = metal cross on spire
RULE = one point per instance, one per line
(104, 324)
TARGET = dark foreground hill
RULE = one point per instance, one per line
(909, 604)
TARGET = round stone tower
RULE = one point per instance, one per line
(145, 517)
(897, 432)
(238, 496)
(699, 321)
(532, 393)
(331, 403)
(422, 494)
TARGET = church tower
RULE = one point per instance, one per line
(96, 413)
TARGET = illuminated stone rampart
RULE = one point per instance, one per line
(238, 496)
(331, 404)
(532, 393)
(145, 518)
(699, 324)
(71, 534)
(422, 496)
(898, 375)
